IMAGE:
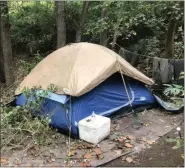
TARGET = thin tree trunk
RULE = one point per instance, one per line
(170, 37)
(2, 75)
(82, 21)
(115, 36)
(5, 45)
(103, 34)
(116, 33)
(60, 22)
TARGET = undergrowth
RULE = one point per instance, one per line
(29, 66)
(20, 128)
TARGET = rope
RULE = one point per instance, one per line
(124, 84)
(70, 125)
(133, 52)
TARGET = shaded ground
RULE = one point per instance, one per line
(152, 124)
(159, 155)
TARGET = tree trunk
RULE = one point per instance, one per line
(6, 57)
(116, 33)
(2, 77)
(60, 22)
(103, 34)
(115, 36)
(82, 21)
(170, 37)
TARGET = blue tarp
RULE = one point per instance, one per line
(106, 99)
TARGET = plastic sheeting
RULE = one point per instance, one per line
(105, 99)
(171, 107)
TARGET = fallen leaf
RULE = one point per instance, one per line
(98, 151)
(100, 157)
(129, 159)
(129, 137)
(53, 160)
(79, 146)
(146, 124)
(88, 156)
(116, 127)
(49, 160)
(118, 152)
(87, 145)
(85, 164)
(121, 139)
(17, 162)
(72, 153)
(4, 160)
(149, 142)
(144, 139)
(128, 145)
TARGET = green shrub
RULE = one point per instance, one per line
(29, 66)
(33, 27)
(19, 126)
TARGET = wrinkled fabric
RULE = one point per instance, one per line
(78, 68)
(105, 99)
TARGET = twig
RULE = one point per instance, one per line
(6, 140)
(20, 129)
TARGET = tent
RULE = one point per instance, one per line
(88, 80)
(78, 68)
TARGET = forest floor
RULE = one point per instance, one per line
(160, 154)
(154, 151)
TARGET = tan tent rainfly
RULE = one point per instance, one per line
(77, 68)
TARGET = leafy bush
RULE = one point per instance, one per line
(19, 127)
(179, 143)
(33, 27)
(147, 47)
(179, 50)
(181, 76)
(174, 90)
(29, 66)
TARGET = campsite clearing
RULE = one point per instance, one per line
(159, 123)
(129, 135)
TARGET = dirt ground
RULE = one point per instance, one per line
(160, 154)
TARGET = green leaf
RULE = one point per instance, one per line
(182, 73)
(134, 33)
(167, 85)
(178, 145)
(170, 140)
(177, 86)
